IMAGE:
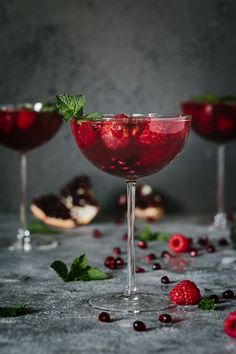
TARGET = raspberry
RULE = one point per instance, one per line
(86, 133)
(230, 324)
(185, 293)
(179, 243)
(26, 119)
(153, 134)
(115, 135)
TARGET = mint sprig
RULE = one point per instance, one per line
(79, 270)
(37, 227)
(13, 311)
(212, 99)
(147, 235)
(207, 304)
(73, 107)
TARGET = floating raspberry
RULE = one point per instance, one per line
(185, 293)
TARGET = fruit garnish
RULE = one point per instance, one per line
(215, 298)
(156, 266)
(150, 257)
(207, 304)
(104, 317)
(165, 318)
(26, 119)
(14, 311)
(228, 294)
(165, 280)
(179, 243)
(230, 324)
(139, 326)
(166, 255)
(223, 242)
(139, 270)
(79, 271)
(119, 262)
(97, 233)
(185, 293)
(193, 252)
(110, 262)
(115, 134)
(73, 106)
(210, 249)
(142, 244)
(116, 251)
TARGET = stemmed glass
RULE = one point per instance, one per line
(131, 146)
(24, 127)
(215, 122)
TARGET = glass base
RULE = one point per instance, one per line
(26, 243)
(220, 222)
(140, 302)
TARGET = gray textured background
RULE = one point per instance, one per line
(126, 55)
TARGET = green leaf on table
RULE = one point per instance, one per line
(146, 234)
(79, 271)
(207, 304)
(163, 236)
(13, 311)
(37, 227)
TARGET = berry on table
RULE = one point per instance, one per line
(97, 233)
(203, 240)
(104, 317)
(223, 242)
(165, 280)
(156, 266)
(119, 262)
(210, 249)
(165, 318)
(230, 324)
(142, 244)
(215, 298)
(150, 257)
(166, 254)
(228, 294)
(193, 252)
(179, 243)
(116, 251)
(110, 262)
(125, 237)
(185, 293)
(139, 326)
(139, 270)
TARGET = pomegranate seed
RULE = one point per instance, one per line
(165, 318)
(139, 326)
(118, 221)
(139, 270)
(203, 240)
(193, 252)
(228, 294)
(156, 266)
(110, 262)
(210, 249)
(165, 280)
(125, 237)
(116, 251)
(104, 317)
(142, 244)
(97, 233)
(223, 242)
(166, 254)
(215, 298)
(150, 257)
(119, 262)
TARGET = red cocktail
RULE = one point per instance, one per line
(216, 122)
(23, 128)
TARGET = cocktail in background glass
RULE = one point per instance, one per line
(215, 122)
(130, 147)
(23, 128)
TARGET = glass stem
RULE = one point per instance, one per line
(131, 290)
(23, 182)
(220, 179)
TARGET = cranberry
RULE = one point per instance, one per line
(139, 326)
(119, 262)
(165, 280)
(118, 221)
(165, 318)
(150, 257)
(228, 294)
(215, 298)
(193, 252)
(104, 317)
(125, 237)
(139, 270)
(210, 249)
(110, 262)
(166, 254)
(116, 251)
(203, 240)
(223, 242)
(142, 244)
(156, 266)
(97, 233)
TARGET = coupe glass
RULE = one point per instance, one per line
(24, 127)
(217, 123)
(131, 146)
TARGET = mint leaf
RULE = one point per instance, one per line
(207, 304)
(146, 234)
(78, 266)
(61, 269)
(96, 274)
(13, 311)
(206, 98)
(70, 106)
(37, 227)
(93, 116)
(48, 107)
(163, 236)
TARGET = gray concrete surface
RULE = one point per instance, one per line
(126, 55)
(65, 324)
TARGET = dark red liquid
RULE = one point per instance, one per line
(131, 148)
(25, 130)
(215, 122)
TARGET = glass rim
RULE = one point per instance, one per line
(33, 106)
(143, 116)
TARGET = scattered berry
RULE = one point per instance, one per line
(139, 326)
(230, 324)
(165, 280)
(215, 298)
(165, 318)
(185, 293)
(125, 237)
(110, 262)
(118, 221)
(150, 257)
(116, 251)
(223, 242)
(156, 266)
(228, 294)
(97, 233)
(104, 317)
(142, 244)
(179, 243)
(203, 240)
(193, 252)
(139, 270)
(119, 262)
(210, 249)
(166, 254)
